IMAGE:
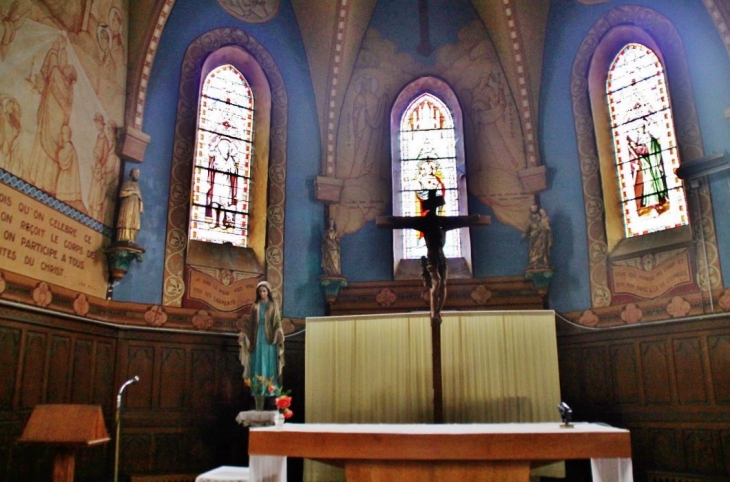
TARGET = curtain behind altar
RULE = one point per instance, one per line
(497, 366)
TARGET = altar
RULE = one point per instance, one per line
(497, 367)
(441, 452)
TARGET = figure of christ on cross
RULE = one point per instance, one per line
(434, 228)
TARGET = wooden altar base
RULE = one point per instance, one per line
(431, 453)
(385, 471)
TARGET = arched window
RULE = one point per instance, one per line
(636, 122)
(645, 146)
(428, 162)
(227, 198)
(427, 153)
(222, 175)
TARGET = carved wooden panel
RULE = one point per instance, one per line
(231, 380)
(701, 452)
(135, 453)
(655, 366)
(59, 369)
(33, 376)
(569, 362)
(140, 362)
(83, 372)
(725, 449)
(719, 351)
(690, 371)
(202, 379)
(654, 448)
(625, 373)
(9, 357)
(597, 389)
(172, 378)
(103, 388)
(166, 447)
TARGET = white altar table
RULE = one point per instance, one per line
(441, 452)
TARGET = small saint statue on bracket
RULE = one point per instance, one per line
(539, 235)
(125, 248)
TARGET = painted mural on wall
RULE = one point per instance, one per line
(62, 97)
(62, 94)
(495, 147)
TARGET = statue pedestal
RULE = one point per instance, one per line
(120, 255)
(256, 418)
(331, 284)
(540, 278)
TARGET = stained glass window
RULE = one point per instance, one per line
(645, 144)
(428, 161)
(223, 153)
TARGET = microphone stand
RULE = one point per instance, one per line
(135, 379)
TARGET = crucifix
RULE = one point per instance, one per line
(434, 228)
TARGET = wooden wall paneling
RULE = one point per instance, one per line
(140, 362)
(689, 371)
(33, 370)
(202, 386)
(596, 376)
(9, 363)
(82, 374)
(702, 452)
(59, 369)
(172, 380)
(625, 364)
(656, 378)
(571, 379)
(719, 355)
(231, 380)
(725, 447)
(104, 388)
(166, 448)
(135, 453)
(659, 448)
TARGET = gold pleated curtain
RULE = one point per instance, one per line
(497, 367)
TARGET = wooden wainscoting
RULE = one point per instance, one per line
(179, 418)
(667, 382)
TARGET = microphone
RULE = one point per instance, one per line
(132, 380)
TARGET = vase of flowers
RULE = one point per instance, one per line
(283, 412)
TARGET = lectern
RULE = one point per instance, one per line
(66, 427)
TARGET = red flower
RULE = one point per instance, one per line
(271, 388)
(283, 402)
(288, 413)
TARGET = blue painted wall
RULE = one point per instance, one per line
(710, 66)
(498, 250)
(304, 220)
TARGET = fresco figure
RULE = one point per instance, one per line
(647, 169)
(262, 338)
(97, 193)
(111, 173)
(10, 118)
(368, 113)
(68, 185)
(130, 209)
(10, 23)
(56, 82)
(331, 251)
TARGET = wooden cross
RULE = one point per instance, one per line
(434, 229)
